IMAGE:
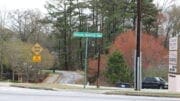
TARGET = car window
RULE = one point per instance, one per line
(150, 79)
(154, 79)
(157, 79)
(162, 80)
(147, 79)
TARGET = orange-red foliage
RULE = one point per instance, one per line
(93, 63)
(153, 51)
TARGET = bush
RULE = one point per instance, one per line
(117, 69)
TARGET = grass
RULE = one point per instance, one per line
(50, 86)
(45, 86)
(154, 93)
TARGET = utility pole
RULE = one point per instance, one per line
(138, 49)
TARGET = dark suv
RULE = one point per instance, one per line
(154, 83)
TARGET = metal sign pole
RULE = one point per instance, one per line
(86, 35)
(85, 63)
(98, 71)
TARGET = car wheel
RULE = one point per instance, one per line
(160, 87)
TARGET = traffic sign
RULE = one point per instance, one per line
(173, 43)
(87, 35)
(172, 68)
(173, 57)
(36, 49)
(36, 58)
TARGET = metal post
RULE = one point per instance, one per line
(37, 77)
(134, 69)
(140, 71)
(137, 71)
(98, 71)
(27, 70)
(86, 56)
(85, 63)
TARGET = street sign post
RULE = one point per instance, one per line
(86, 35)
(36, 49)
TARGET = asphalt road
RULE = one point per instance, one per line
(69, 77)
(64, 77)
(23, 94)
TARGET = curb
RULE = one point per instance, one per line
(40, 88)
(129, 92)
(149, 94)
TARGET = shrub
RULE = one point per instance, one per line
(117, 69)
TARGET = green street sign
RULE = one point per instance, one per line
(87, 35)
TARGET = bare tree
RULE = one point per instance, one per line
(165, 26)
(26, 24)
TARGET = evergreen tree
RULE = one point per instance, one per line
(117, 69)
(109, 17)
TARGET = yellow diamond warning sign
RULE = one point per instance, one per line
(36, 58)
(36, 49)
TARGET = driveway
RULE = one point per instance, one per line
(64, 77)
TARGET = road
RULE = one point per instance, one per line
(64, 77)
(69, 77)
(23, 94)
(52, 78)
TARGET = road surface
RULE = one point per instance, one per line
(23, 94)
(69, 77)
(52, 78)
(64, 77)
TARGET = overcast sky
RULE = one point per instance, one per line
(22, 4)
(30, 4)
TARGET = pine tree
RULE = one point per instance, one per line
(117, 69)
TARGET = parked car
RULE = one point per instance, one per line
(154, 83)
(123, 85)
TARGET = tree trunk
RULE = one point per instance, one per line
(134, 18)
(69, 36)
(65, 41)
(80, 39)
